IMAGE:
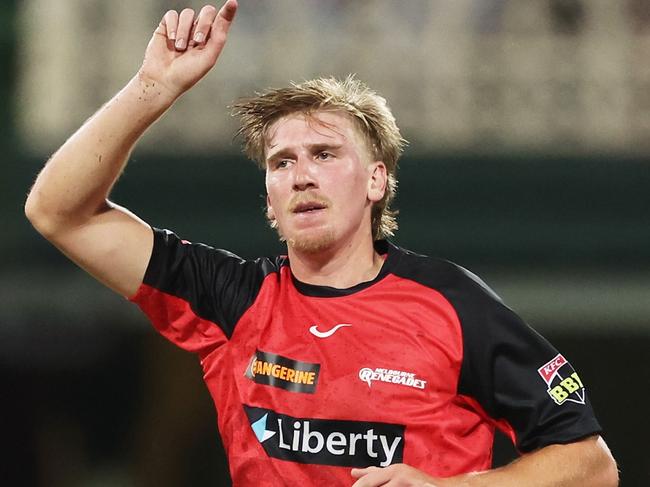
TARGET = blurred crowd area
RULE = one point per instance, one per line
(559, 226)
(567, 76)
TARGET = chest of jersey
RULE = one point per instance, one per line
(309, 381)
(346, 380)
(396, 340)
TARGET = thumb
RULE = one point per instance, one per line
(222, 23)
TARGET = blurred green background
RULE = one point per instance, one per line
(529, 124)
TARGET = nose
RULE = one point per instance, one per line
(304, 175)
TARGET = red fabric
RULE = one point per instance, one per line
(175, 320)
(396, 324)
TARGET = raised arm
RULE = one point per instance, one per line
(69, 203)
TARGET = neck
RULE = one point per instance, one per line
(341, 266)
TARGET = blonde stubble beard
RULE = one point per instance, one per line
(317, 242)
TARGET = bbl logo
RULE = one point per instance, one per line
(562, 381)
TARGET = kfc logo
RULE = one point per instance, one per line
(547, 371)
(563, 382)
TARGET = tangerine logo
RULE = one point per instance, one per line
(285, 373)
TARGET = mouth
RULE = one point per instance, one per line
(308, 207)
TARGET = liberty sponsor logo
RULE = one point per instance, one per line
(325, 441)
(278, 371)
(562, 381)
(391, 376)
(327, 333)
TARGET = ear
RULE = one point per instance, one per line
(270, 214)
(377, 181)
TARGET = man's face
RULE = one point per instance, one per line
(320, 181)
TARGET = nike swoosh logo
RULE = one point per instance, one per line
(324, 334)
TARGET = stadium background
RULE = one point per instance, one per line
(529, 123)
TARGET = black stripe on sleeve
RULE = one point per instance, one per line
(501, 358)
(218, 285)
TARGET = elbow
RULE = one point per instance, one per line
(610, 475)
(38, 214)
(34, 212)
(53, 218)
(609, 469)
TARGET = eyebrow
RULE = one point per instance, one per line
(313, 148)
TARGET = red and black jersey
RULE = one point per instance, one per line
(417, 366)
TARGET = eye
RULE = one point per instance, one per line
(282, 163)
(323, 156)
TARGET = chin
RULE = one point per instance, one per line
(312, 242)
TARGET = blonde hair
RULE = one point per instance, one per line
(368, 109)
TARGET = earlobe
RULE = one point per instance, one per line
(377, 182)
(270, 214)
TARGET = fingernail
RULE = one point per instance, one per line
(180, 43)
(198, 37)
(172, 36)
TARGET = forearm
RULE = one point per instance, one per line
(69, 204)
(580, 464)
(75, 183)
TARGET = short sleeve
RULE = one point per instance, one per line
(516, 376)
(195, 294)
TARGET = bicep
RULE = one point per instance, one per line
(114, 246)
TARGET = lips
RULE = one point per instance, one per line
(308, 206)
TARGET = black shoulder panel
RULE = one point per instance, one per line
(501, 358)
(218, 285)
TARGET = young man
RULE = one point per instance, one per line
(351, 361)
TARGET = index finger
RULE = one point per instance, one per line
(360, 472)
(203, 23)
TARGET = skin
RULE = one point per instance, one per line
(586, 463)
(318, 159)
(321, 160)
(69, 202)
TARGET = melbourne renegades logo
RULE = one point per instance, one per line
(562, 381)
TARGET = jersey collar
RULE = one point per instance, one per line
(383, 247)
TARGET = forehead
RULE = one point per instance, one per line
(320, 127)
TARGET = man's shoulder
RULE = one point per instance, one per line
(438, 273)
(166, 241)
(419, 266)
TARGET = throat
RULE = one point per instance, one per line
(341, 271)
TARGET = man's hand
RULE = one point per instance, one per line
(398, 475)
(185, 47)
(583, 462)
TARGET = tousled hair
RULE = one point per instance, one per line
(369, 111)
